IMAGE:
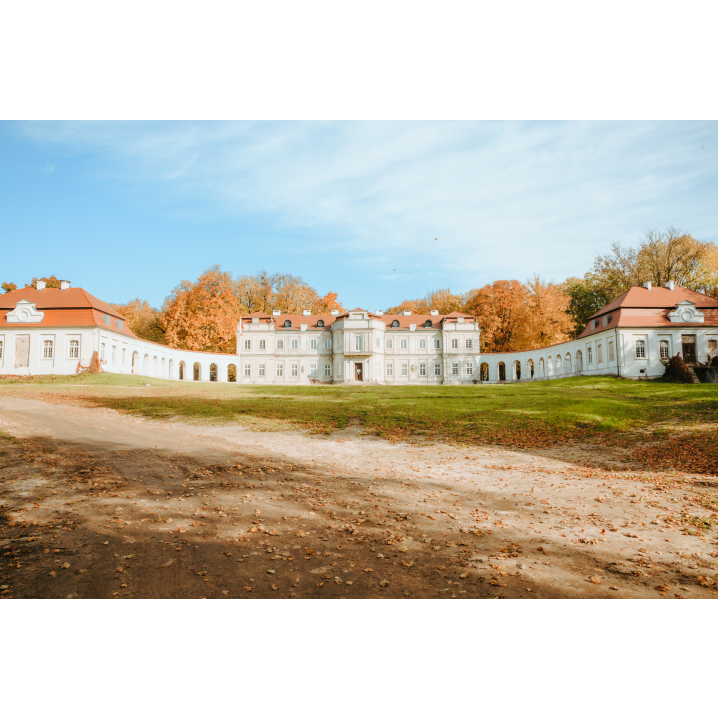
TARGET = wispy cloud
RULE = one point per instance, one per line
(503, 199)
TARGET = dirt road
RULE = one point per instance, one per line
(98, 504)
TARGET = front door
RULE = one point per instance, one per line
(22, 350)
(689, 348)
(357, 371)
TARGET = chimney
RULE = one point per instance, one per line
(64, 284)
(306, 312)
(276, 313)
(647, 285)
(379, 312)
(40, 285)
(671, 285)
(434, 312)
(407, 312)
(335, 312)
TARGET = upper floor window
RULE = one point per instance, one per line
(422, 343)
(262, 343)
(47, 349)
(395, 324)
(389, 343)
(247, 344)
(665, 351)
(610, 351)
(295, 343)
(327, 343)
(320, 324)
(74, 349)
(454, 343)
(313, 344)
(468, 343)
(280, 345)
(428, 324)
(404, 343)
(437, 343)
(288, 324)
(640, 349)
(357, 343)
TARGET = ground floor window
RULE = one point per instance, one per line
(455, 369)
(114, 354)
(295, 370)
(663, 345)
(640, 349)
(712, 347)
(312, 370)
(123, 355)
(74, 349)
(327, 370)
(437, 369)
(213, 372)
(47, 350)
(262, 369)
(422, 369)
(469, 369)
(280, 370)
(0, 349)
(404, 370)
(600, 353)
(610, 351)
(390, 370)
(102, 352)
(247, 370)
(589, 354)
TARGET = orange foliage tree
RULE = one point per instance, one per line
(500, 308)
(203, 315)
(441, 300)
(142, 319)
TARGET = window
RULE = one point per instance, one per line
(589, 352)
(288, 324)
(610, 351)
(357, 343)
(262, 369)
(640, 349)
(0, 349)
(437, 369)
(428, 324)
(437, 343)
(119, 323)
(313, 344)
(404, 370)
(312, 370)
(388, 343)
(108, 321)
(422, 343)
(295, 343)
(320, 324)
(404, 343)
(455, 368)
(454, 343)
(247, 344)
(47, 349)
(123, 355)
(469, 369)
(102, 351)
(468, 343)
(422, 369)
(664, 349)
(378, 343)
(600, 353)
(595, 323)
(712, 346)
(327, 370)
(262, 343)
(295, 370)
(280, 343)
(74, 349)
(280, 369)
(395, 324)
(247, 370)
(327, 343)
(114, 353)
(390, 370)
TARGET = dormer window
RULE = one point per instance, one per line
(320, 324)
(287, 324)
(428, 324)
(395, 324)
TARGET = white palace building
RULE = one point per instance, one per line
(50, 331)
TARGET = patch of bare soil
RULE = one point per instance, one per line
(102, 505)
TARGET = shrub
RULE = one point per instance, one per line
(676, 370)
(714, 360)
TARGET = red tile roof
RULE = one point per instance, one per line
(656, 298)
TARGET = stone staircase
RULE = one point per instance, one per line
(694, 376)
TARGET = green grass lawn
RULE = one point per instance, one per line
(522, 415)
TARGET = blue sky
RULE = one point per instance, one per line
(132, 208)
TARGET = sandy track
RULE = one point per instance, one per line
(139, 508)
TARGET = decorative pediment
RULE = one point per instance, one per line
(25, 312)
(686, 313)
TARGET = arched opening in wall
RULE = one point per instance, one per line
(182, 370)
(146, 365)
(171, 366)
(232, 372)
(502, 371)
(531, 368)
(484, 372)
(163, 363)
(579, 361)
(542, 369)
(549, 367)
(213, 372)
(567, 366)
(135, 362)
(558, 364)
(517, 370)
(155, 366)
(197, 372)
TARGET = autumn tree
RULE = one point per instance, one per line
(51, 282)
(440, 300)
(9, 287)
(142, 319)
(545, 320)
(203, 315)
(500, 308)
